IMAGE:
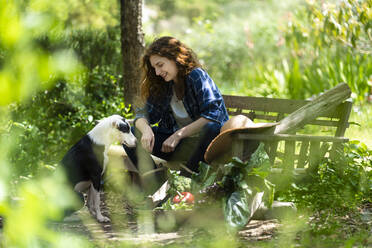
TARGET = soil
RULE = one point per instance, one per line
(125, 227)
(256, 230)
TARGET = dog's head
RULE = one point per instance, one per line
(122, 131)
(113, 129)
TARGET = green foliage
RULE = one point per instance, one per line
(337, 188)
(331, 45)
(338, 184)
(249, 185)
(348, 22)
(270, 48)
(191, 8)
(177, 183)
(49, 102)
(27, 216)
(69, 109)
(243, 186)
(73, 14)
(363, 116)
(240, 49)
(205, 178)
(96, 47)
(26, 68)
(287, 49)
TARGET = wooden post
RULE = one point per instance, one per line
(303, 154)
(314, 155)
(289, 155)
(237, 147)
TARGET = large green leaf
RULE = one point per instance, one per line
(204, 178)
(241, 206)
(236, 210)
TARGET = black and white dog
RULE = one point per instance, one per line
(86, 161)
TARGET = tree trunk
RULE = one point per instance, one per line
(132, 46)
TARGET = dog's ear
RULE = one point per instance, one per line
(115, 124)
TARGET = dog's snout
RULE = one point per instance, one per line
(129, 140)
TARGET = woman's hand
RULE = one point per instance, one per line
(171, 143)
(147, 140)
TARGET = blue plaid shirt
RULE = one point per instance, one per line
(202, 99)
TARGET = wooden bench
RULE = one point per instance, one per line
(319, 138)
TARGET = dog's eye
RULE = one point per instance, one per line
(123, 127)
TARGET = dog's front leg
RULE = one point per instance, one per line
(97, 207)
(90, 200)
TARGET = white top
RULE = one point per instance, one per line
(179, 111)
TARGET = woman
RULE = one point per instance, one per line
(181, 101)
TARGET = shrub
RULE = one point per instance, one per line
(340, 185)
(54, 119)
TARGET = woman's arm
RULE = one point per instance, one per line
(194, 127)
(199, 85)
(147, 139)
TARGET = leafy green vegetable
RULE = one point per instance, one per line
(241, 186)
(177, 182)
(204, 178)
(236, 209)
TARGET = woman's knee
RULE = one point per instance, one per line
(212, 128)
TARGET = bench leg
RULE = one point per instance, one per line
(237, 147)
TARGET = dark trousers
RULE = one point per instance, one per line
(190, 150)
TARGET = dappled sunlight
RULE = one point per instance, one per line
(61, 70)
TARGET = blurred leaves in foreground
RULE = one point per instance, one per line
(26, 68)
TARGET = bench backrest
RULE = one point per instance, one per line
(275, 109)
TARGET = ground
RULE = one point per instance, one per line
(124, 227)
(258, 233)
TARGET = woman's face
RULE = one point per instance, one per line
(164, 67)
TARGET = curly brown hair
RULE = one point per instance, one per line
(172, 49)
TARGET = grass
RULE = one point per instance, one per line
(361, 124)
